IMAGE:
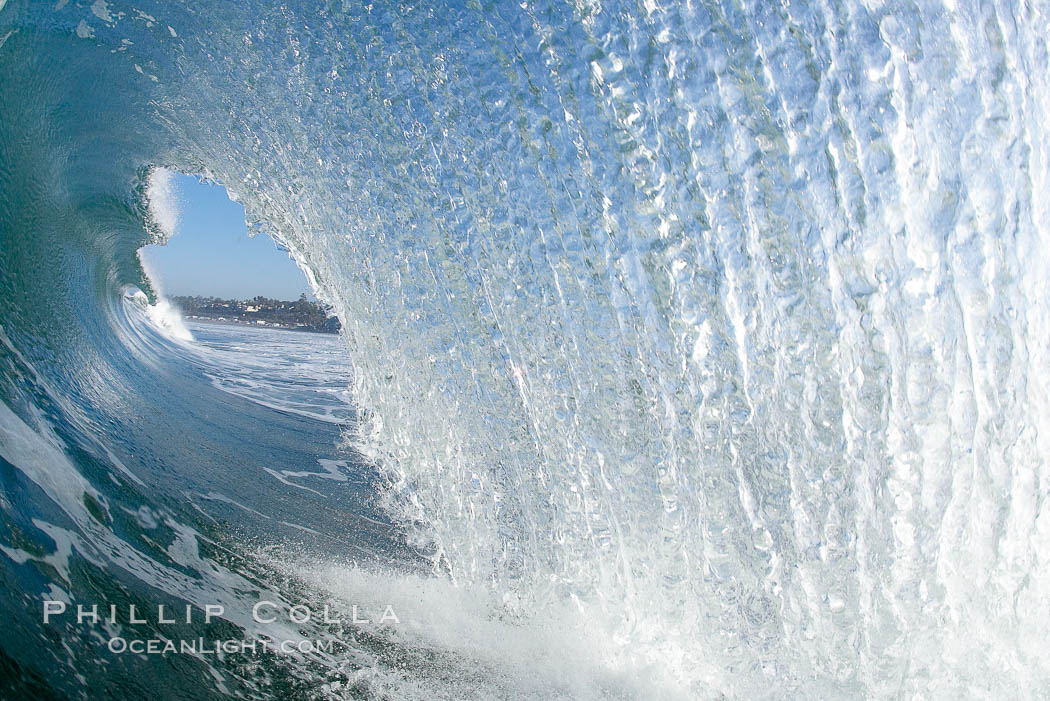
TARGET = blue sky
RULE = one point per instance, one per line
(211, 253)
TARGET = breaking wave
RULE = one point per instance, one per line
(698, 349)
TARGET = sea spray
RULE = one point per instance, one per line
(719, 324)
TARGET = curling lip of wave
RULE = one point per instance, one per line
(723, 324)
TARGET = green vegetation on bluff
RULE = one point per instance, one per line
(302, 314)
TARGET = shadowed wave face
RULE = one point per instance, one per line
(698, 349)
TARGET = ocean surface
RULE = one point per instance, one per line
(689, 350)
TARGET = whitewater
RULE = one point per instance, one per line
(689, 350)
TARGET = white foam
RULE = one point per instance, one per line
(296, 373)
(101, 10)
(162, 316)
(566, 653)
(167, 318)
(42, 461)
(163, 202)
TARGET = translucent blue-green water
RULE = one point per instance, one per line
(692, 350)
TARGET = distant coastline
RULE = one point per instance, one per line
(299, 315)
